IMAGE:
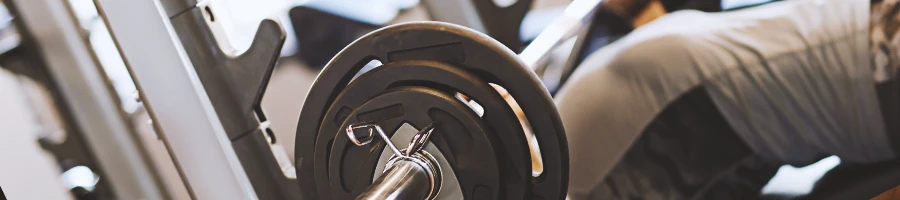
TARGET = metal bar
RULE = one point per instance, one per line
(94, 106)
(404, 180)
(182, 112)
(574, 18)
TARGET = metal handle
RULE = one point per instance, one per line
(417, 144)
(410, 174)
(419, 140)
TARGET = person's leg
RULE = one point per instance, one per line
(790, 80)
(687, 152)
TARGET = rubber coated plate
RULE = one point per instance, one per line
(515, 157)
(462, 49)
(459, 135)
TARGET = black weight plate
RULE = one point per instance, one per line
(455, 45)
(512, 147)
(459, 135)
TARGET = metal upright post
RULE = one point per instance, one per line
(182, 112)
(53, 27)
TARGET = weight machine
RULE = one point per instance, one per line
(204, 99)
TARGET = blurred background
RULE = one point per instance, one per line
(73, 133)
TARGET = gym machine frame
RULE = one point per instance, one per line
(163, 44)
(52, 42)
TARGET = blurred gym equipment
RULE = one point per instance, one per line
(325, 27)
(84, 127)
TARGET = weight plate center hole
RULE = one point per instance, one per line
(449, 184)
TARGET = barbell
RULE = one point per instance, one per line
(478, 111)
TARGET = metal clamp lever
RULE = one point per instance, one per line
(410, 174)
(417, 144)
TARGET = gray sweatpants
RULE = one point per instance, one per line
(793, 80)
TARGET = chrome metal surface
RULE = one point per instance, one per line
(406, 180)
(419, 140)
(449, 185)
(415, 177)
(366, 139)
(411, 173)
(371, 126)
(417, 144)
